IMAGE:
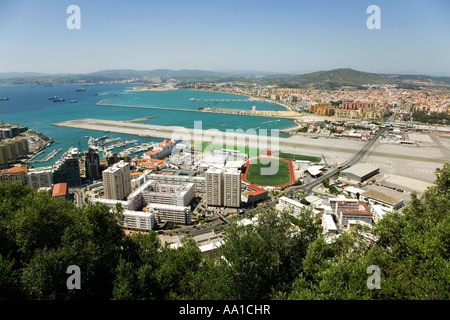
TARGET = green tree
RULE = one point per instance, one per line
(411, 248)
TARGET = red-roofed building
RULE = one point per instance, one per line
(256, 194)
(60, 191)
(14, 174)
(351, 210)
(163, 149)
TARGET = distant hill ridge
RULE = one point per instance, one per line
(330, 79)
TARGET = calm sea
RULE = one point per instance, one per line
(30, 106)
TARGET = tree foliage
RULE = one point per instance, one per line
(281, 256)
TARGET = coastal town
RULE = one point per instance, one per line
(182, 188)
(211, 158)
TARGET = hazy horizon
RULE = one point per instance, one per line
(294, 37)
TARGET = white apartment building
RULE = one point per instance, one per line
(290, 205)
(223, 187)
(117, 181)
(232, 188)
(214, 187)
(167, 212)
(40, 177)
(199, 182)
(138, 220)
(167, 201)
(173, 194)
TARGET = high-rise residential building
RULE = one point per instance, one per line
(117, 181)
(214, 187)
(223, 188)
(10, 149)
(67, 169)
(40, 177)
(232, 188)
(92, 164)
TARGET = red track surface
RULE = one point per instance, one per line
(291, 172)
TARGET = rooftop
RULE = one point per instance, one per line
(14, 170)
(59, 189)
(360, 169)
(315, 170)
(362, 210)
(376, 195)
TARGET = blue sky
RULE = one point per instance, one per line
(279, 36)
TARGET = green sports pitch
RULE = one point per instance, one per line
(281, 177)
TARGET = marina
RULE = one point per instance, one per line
(239, 112)
(50, 156)
(30, 106)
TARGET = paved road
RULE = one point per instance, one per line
(353, 160)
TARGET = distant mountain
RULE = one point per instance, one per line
(128, 73)
(12, 75)
(346, 77)
(340, 78)
(331, 79)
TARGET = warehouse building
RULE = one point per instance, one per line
(377, 197)
(360, 172)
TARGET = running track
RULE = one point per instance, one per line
(291, 171)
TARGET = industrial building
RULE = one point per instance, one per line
(377, 197)
(359, 172)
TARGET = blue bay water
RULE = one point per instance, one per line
(30, 106)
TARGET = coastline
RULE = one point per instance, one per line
(296, 125)
(145, 89)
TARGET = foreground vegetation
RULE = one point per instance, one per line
(40, 237)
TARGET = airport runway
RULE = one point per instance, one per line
(414, 162)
